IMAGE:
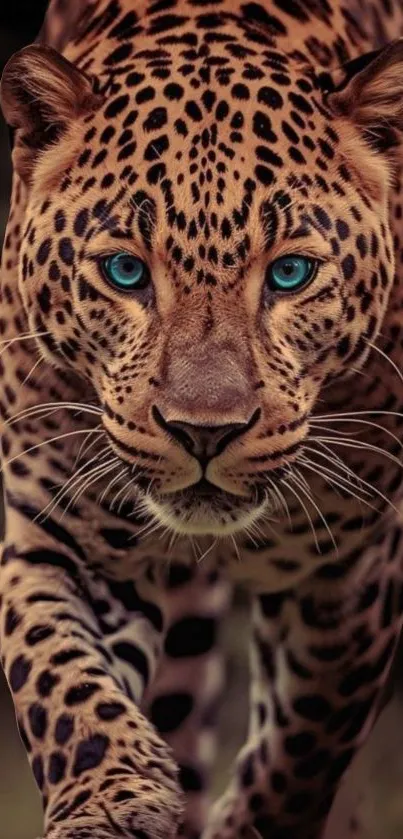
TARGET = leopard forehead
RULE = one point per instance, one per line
(198, 179)
(211, 143)
(207, 166)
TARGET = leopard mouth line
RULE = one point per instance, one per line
(205, 510)
(208, 492)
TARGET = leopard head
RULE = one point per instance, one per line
(207, 244)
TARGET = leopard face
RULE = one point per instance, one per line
(161, 218)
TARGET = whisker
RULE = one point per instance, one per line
(32, 370)
(386, 357)
(361, 445)
(85, 449)
(303, 479)
(306, 511)
(45, 443)
(380, 494)
(368, 423)
(348, 414)
(147, 529)
(333, 482)
(233, 540)
(165, 531)
(73, 479)
(329, 429)
(104, 493)
(256, 526)
(250, 535)
(125, 498)
(207, 551)
(172, 541)
(123, 490)
(321, 469)
(282, 500)
(27, 413)
(193, 546)
(120, 475)
(52, 506)
(314, 504)
(304, 486)
(27, 337)
(95, 475)
(330, 456)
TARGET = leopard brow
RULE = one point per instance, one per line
(140, 208)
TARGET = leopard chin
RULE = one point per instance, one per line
(205, 517)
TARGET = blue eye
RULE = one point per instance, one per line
(289, 273)
(125, 271)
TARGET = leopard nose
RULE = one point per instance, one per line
(204, 441)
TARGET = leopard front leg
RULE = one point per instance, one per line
(183, 698)
(101, 768)
(320, 659)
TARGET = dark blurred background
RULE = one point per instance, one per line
(378, 779)
(20, 816)
(20, 21)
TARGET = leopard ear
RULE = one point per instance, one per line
(369, 91)
(41, 93)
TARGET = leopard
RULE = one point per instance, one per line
(201, 327)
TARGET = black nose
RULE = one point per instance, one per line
(204, 441)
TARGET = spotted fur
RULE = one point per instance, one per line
(162, 445)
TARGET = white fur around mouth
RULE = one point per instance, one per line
(204, 520)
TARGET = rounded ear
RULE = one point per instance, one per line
(369, 91)
(41, 92)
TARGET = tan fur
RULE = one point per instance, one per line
(207, 145)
